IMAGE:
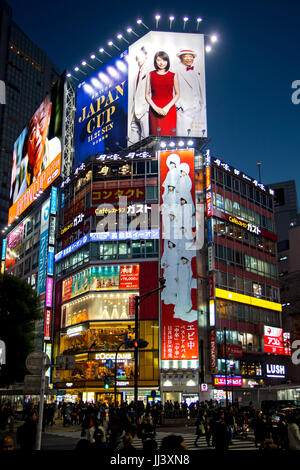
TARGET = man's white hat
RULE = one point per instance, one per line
(186, 51)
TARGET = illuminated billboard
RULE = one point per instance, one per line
(276, 341)
(14, 246)
(155, 87)
(101, 278)
(179, 316)
(37, 153)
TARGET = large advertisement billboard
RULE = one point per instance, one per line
(37, 153)
(179, 317)
(101, 278)
(155, 87)
(14, 246)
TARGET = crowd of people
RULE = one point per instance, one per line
(113, 429)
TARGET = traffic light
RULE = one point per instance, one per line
(106, 383)
(134, 343)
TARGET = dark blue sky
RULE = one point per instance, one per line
(249, 75)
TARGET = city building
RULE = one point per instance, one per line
(128, 206)
(245, 308)
(288, 229)
(28, 75)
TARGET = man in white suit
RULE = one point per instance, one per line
(139, 127)
(191, 112)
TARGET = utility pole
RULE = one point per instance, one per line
(226, 379)
(138, 300)
(116, 367)
(41, 408)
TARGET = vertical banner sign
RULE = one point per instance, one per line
(53, 200)
(49, 292)
(213, 355)
(45, 214)
(179, 315)
(4, 245)
(47, 326)
(50, 269)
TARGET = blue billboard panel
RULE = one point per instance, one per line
(102, 109)
(41, 286)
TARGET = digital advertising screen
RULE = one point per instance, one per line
(97, 278)
(14, 246)
(155, 87)
(37, 153)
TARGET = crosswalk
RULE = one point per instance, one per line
(189, 439)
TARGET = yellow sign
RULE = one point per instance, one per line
(247, 299)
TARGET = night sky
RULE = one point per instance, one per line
(249, 74)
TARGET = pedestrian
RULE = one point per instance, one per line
(220, 437)
(230, 423)
(200, 428)
(26, 434)
(260, 429)
(293, 433)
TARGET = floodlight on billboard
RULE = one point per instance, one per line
(37, 153)
(126, 100)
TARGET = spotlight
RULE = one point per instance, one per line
(110, 43)
(130, 30)
(103, 50)
(163, 145)
(199, 20)
(208, 48)
(185, 19)
(214, 38)
(171, 18)
(157, 18)
(93, 57)
(140, 21)
(120, 36)
(180, 143)
(84, 63)
(190, 142)
(172, 144)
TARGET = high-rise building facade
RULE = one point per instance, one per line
(145, 201)
(28, 75)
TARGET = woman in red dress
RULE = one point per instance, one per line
(162, 92)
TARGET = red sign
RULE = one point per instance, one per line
(273, 340)
(131, 306)
(208, 204)
(179, 310)
(129, 277)
(232, 350)
(211, 286)
(220, 381)
(47, 329)
(67, 289)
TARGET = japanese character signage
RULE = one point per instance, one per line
(101, 278)
(220, 381)
(179, 315)
(273, 341)
(112, 195)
